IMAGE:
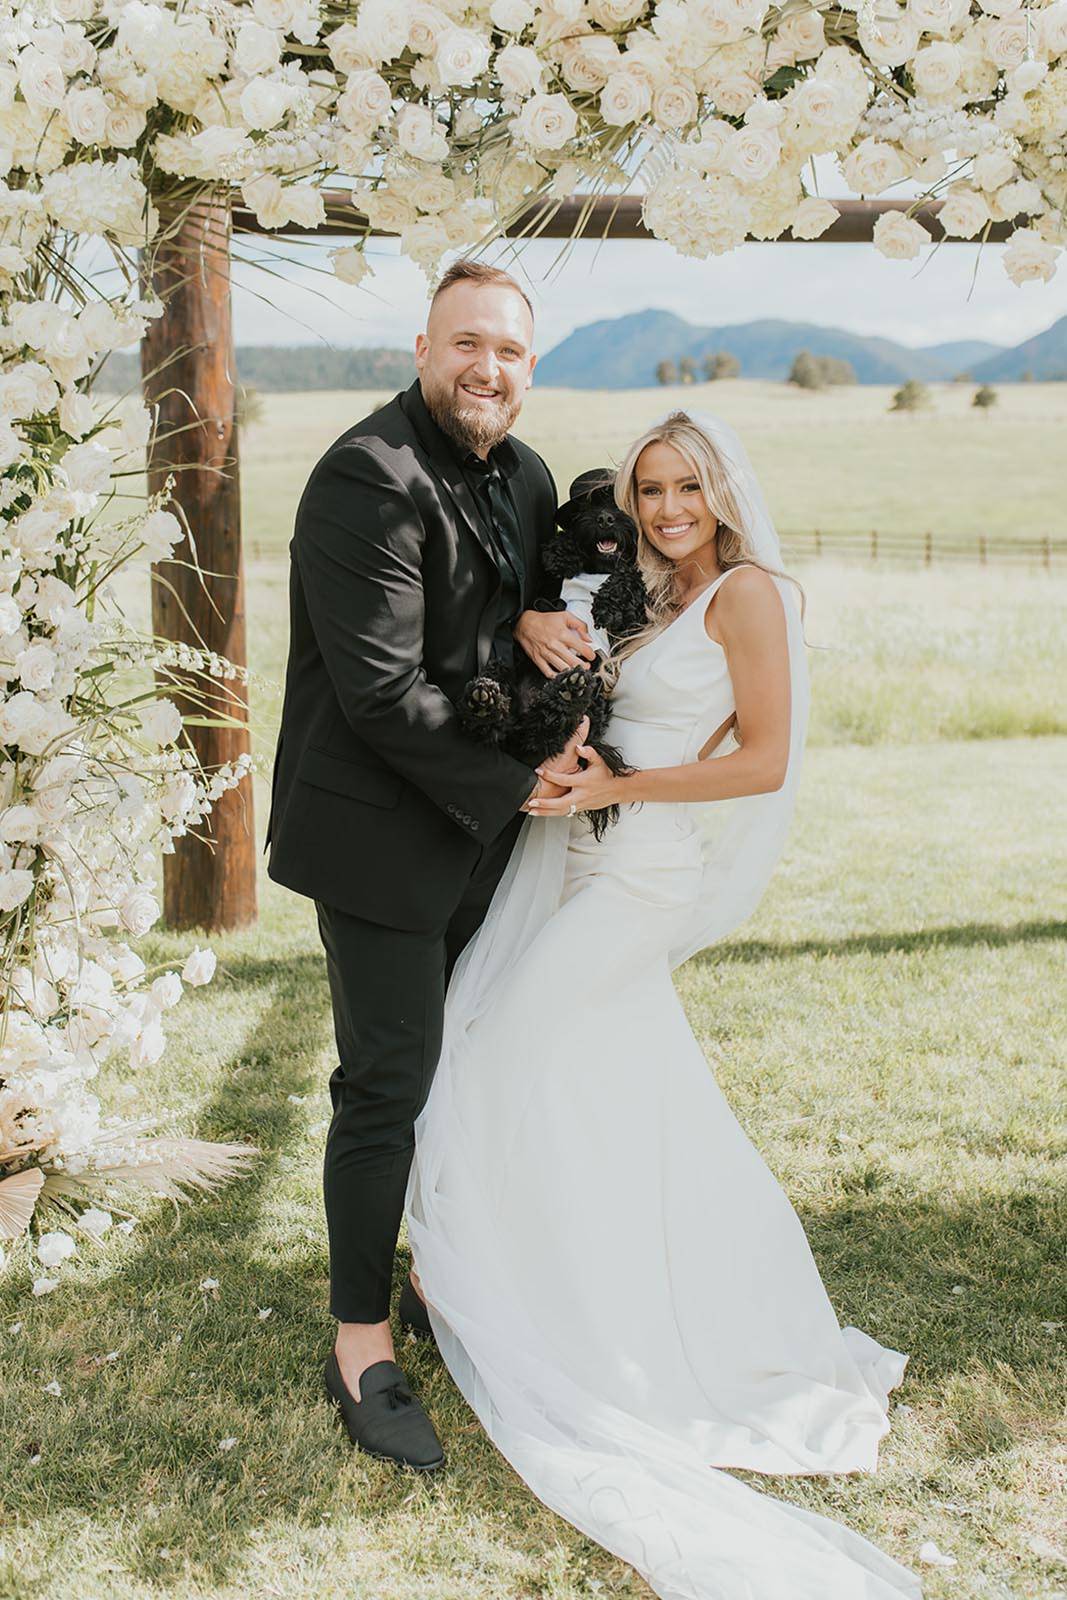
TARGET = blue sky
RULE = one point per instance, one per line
(940, 297)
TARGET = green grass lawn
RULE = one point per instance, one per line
(887, 1029)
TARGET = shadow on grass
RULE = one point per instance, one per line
(962, 936)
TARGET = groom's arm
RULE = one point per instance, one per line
(358, 545)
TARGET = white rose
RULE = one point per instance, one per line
(88, 467)
(265, 101)
(616, 13)
(166, 990)
(20, 825)
(275, 13)
(624, 99)
(755, 154)
(306, 205)
(10, 615)
(139, 911)
(1026, 76)
(994, 167)
(546, 122)
(813, 217)
(382, 28)
(889, 41)
(512, 16)
(384, 209)
(674, 106)
(124, 126)
(963, 213)
(52, 1248)
(519, 70)
(149, 1044)
(16, 886)
(462, 57)
(419, 134)
(936, 68)
(1051, 28)
(1004, 41)
(803, 34)
(712, 152)
(257, 49)
(898, 236)
(1014, 115)
(265, 197)
(95, 1221)
(587, 63)
(365, 102)
(12, 444)
(86, 114)
(873, 166)
(1028, 257)
(1000, 8)
(735, 93)
(36, 666)
(161, 533)
(41, 79)
(77, 413)
(1019, 198)
(350, 264)
(199, 967)
(938, 16)
(161, 721)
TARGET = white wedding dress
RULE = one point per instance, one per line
(617, 1283)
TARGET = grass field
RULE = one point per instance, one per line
(835, 461)
(889, 1029)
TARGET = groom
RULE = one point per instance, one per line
(414, 558)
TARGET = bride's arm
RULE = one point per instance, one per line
(749, 623)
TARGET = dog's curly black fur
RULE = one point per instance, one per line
(530, 716)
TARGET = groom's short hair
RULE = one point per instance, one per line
(466, 271)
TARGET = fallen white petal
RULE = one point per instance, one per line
(128, 1225)
(227, 1444)
(296, 1099)
(209, 1283)
(1052, 1327)
(15, 1327)
(931, 1556)
(903, 1410)
(52, 1388)
(45, 1285)
(35, 1460)
(264, 1312)
(1045, 1547)
(958, 1288)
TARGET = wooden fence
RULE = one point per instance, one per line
(926, 549)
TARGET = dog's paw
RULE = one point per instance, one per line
(485, 705)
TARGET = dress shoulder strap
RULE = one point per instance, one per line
(703, 600)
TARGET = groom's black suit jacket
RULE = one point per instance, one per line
(380, 804)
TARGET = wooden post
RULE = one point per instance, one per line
(1046, 553)
(983, 554)
(874, 544)
(818, 543)
(928, 549)
(209, 882)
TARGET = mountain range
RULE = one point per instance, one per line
(623, 352)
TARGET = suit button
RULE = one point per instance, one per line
(466, 819)
(475, 826)
(451, 810)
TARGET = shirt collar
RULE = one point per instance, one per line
(441, 445)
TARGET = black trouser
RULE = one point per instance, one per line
(387, 987)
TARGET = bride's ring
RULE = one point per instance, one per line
(572, 812)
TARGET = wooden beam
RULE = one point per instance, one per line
(619, 217)
(188, 370)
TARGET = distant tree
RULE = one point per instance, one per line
(1026, 376)
(721, 364)
(806, 372)
(666, 372)
(912, 396)
(963, 377)
(985, 397)
(835, 370)
(687, 369)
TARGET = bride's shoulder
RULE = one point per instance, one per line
(747, 600)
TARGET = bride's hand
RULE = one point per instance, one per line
(591, 789)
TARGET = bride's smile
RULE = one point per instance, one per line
(674, 516)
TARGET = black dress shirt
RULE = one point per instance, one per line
(488, 482)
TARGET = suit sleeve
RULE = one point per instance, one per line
(358, 544)
(545, 589)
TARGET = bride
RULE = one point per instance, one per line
(617, 1284)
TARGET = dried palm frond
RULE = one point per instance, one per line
(18, 1196)
(168, 1167)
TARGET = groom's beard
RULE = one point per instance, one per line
(477, 425)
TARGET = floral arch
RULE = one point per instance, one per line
(121, 122)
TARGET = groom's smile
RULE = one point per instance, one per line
(475, 362)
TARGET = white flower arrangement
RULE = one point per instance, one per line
(448, 120)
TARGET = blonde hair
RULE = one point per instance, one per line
(732, 547)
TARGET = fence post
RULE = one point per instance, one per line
(818, 543)
(1046, 553)
(928, 549)
(982, 550)
(874, 544)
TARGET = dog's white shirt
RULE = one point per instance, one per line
(578, 594)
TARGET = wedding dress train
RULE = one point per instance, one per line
(617, 1283)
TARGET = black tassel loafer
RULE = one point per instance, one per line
(388, 1422)
(411, 1311)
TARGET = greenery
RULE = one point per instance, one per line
(911, 396)
(819, 372)
(666, 372)
(985, 397)
(721, 365)
(276, 369)
(884, 1030)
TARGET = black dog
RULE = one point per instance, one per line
(533, 717)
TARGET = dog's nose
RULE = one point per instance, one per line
(605, 519)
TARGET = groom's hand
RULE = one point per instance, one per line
(565, 762)
(554, 640)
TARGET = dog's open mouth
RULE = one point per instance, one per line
(607, 547)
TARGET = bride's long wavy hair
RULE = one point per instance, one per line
(732, 548)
